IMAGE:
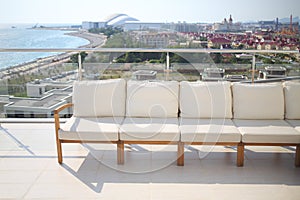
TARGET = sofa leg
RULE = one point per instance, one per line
(297, 156)
(120, 152)
(240, 154)
(180, 154)
(59, 151)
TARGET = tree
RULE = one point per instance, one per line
(241, 46)
(108, 31)
(74, 57)
(129, 57)
(217, 58)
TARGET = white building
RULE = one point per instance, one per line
(136, 26)
(89, 25)
(19, 107)
(112, 20)
(39, 87)
(155, 39)
(227, 26)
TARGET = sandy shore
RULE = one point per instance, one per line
(96, 41)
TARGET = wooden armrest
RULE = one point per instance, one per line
(56, 111)
(56, 116)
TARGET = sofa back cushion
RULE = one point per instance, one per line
(205, 99)
(292, 99)
(258, 101)
(103, 98)
(152, 99)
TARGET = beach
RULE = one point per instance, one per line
(95, 41)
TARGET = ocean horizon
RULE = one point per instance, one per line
(22, 36)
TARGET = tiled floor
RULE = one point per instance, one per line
(29, 170)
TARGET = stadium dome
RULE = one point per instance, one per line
(118, 19)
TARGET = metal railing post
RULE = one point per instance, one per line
(79, 67)
(253, 68)
(168, 61)
(168, 66)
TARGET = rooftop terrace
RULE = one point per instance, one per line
(29, 169)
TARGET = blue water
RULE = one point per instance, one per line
(30, 38)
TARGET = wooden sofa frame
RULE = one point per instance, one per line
(297, 153)
(180, 145)
(240, 150)
(120, 143)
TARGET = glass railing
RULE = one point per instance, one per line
(35, 89)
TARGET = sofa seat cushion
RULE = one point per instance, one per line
(292, 99)
(205, 99)
(208, 130)
(92, 129)
(152, 99)
(294, 123)
(258, 101)
(267, 131)
(150, 129)
(101, 98)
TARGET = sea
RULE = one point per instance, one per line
(23, 36)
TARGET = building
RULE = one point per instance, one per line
(19, 107)
(157, 40)
(112, 20)
(272, 72)
(43, 97)
(37, 88)
(219, 42)
(132, 24)
(154, 39)
(118, 19)
(268, 25)
(213, 74)
(88, 25)
(144, 75)
(138, 26)
(227, 26)
(184, 27)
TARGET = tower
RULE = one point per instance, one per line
(230, 20)
(291, 23)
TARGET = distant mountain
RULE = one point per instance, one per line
(287, 20)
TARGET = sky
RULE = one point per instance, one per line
(76, 11)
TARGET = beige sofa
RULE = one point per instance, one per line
(182, 113)
(205, 116)
(98, 111)
(259, 114)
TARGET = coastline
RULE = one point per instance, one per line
(95, 41)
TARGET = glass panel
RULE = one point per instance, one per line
(35, 89)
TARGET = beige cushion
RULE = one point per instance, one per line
(104, 98)
(150, 129)
(152, 99)
(292, 100)
(258, 101)
(205, 100)
(267, 131)
(295, 124)
(206, 130)
(92, 129)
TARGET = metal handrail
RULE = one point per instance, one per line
(124, 50)
(253, 52)
(273, 80)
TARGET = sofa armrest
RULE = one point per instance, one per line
(56, 115)
(57, 127)
(56, 111)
